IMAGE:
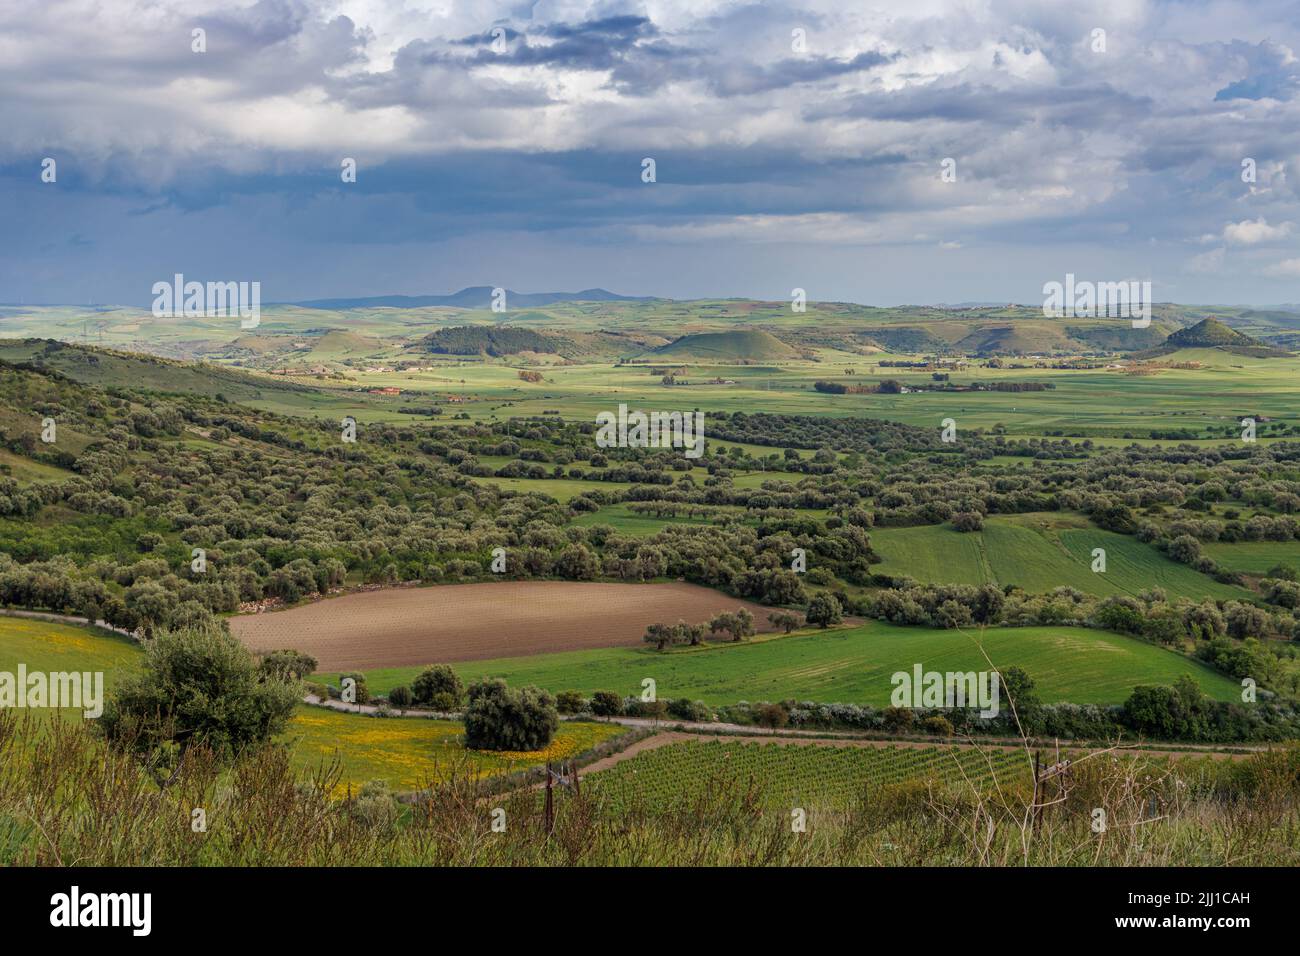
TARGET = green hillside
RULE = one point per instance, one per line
(740, 344)
(497, 341)
(108, 369)
(1209, 333)
(1039, 553)
(853, 665)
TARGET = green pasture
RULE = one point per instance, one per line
(851, 665)
(1039, 552)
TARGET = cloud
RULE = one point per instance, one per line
(1272, 73)
(1207, 263)
(1286, 269)
(1250, 232)
(1061, 152)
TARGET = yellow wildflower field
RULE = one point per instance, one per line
(409, 753)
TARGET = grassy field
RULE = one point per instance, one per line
(1254, 557)
(23, 469)
(852, 665)
(1039, 552)
(624, 521)
(561, 489)
(49, 647)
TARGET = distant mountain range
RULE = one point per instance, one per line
(473, 297)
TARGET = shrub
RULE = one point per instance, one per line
(400, 697)
(438, 687)
(199, 686)
(771, 715)
(1185, 548)
(499, 718)
(938, 725)
(606, 703)
(824, 610)
(684, 708)
(287, 665)
(786, 621)
(898, 719)
(362, 691)
(570, 702)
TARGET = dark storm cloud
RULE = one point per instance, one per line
(763, 147)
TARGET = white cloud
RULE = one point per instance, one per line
(1286, 269)
(1207, 263)
(1250, 232)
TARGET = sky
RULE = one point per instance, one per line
(919, 152)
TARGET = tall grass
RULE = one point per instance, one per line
(67, 798)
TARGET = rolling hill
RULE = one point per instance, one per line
(108, 368)
(497, 341)
(723, 346)
(1209, 333)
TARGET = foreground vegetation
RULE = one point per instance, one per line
(65, 797)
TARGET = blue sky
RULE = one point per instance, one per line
(796, 145)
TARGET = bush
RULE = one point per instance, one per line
(898, 719)
(824, 610)
(968, 521)
(445, 702)
(1185, 548)
(199, 686)
(938, 725)
(786, 621)
(684, 708)
(362, 691)
(438, 687)
(606, 703)
(570, 702)
(771, 715)
(499, 718)
(287, 665)
(400, 697)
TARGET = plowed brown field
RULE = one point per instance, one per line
(465, 622)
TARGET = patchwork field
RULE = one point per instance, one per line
(466, 622)
(1039, 552)
(852, 665)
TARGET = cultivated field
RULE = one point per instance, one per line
(466, 622)
(780, 777)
